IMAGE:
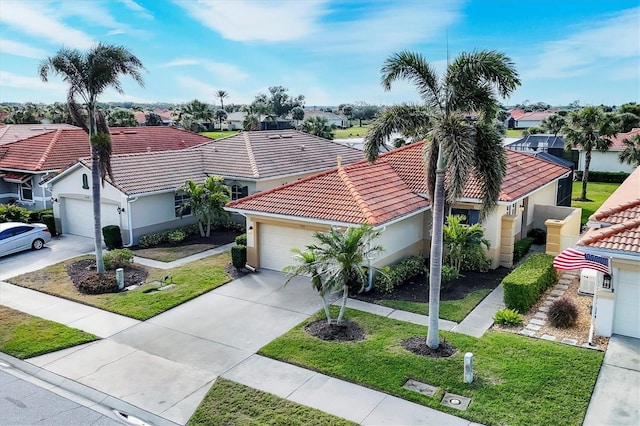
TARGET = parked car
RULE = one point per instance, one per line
(17, 236)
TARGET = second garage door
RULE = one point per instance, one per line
(77, 216)
(276, 243)
(626, 320)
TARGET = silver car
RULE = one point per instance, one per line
(17, 236)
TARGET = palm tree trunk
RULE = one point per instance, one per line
(201, 228)
(435, 264)
(585, 174)
(345, 294)
(95, 193)
(208, 233)
(325, 305)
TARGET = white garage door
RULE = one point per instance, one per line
(276, 243)
(626, 319)
(77, 216)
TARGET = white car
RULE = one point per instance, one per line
(17, 236)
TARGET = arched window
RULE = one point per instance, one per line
(85, 181)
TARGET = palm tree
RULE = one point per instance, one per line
(318, 126)
(587, 129)
(221, 115)
(336, 262)
(222, 94)
(631, 152)
(462, 240)
(194, 114)
(89, 74)
(454, 145)
(120, 117)
(553, 124)
(207, 201)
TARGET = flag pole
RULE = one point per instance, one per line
(593, 314)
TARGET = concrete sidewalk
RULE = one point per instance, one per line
(168, 265)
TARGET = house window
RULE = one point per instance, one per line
(181, 204)
(85, 181)
(26, 191)
(471, 216)
(238, 191)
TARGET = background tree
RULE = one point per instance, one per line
(533, 130)
(195, 115)
(278, 103)
(318, 126)
(553, 124)
(336, 262)
(89, 74)
(222, 95)
(119, 117)
(252, 118)
(631, 152)
(220, 115)
(364, 112)
(589, 129)
(627, 121)
(27, 113)
(347, 110)
(152, 119)
(58, 113)
(454, 146)
(297, 113)
(207, 201)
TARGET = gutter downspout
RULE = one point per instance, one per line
(129, 219)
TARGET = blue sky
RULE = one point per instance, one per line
(329, 51)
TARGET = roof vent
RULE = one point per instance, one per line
(148, 149)
(182, 143)
(275, 136)
(289, 136)
(130, 132)
(301, 147)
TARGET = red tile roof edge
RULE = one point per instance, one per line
(617, 209)
(362, 204)
(609, 231)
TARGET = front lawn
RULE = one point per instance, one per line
(25, 336)
(597, 192)
(191, 280)
(452, 310)
(193, 244)
(219, 134)
(230, 403)
(518, 380)
(350, 132)
(513, 133)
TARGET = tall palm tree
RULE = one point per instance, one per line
(222, 94)
(631, 152)
(589, 129)
(221, 115)
(553, 124)
(454, 145)
(89, 74)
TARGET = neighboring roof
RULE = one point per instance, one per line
(397, 180)
(537, 142)
(619, 218)
(534, 115)
(320, 113)
(15, 177)
(616, 142)
(15, 132)
(554, 159)
(60, 148)
(241, 115)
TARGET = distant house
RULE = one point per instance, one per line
(520, 119)
(235, 121)
(332, 118)
(16, 132)
(145, 191)
(608, 161)
(24, 163)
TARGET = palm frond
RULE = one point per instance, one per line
(485, 66)
(490, 165)
(414, 68)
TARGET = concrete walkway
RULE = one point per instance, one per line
(168, 265)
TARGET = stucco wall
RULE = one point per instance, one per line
(402, 239)
(605, 162)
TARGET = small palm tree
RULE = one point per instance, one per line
(206, 202)
(589, 129)
(221, 115)
(631, 152)
(89, 74)
(337, 262)
(553, 124)
(461, 240)
(455, 146)
(318, 126)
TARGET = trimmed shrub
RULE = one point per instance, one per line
(112, 236)
(241, 240)
(239, 256)
(448, 273)
(117, 258)
(522, 247)
(525, 284)
(13, 213)
(539, 235)
(606, 177)
(563, 313)
(508, 317)
(49, 220)
(176, 236)
(95, 283)
(475, 259)
(151, 240)
(389, 277)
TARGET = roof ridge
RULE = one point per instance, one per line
(617, 209)
(50, 146)
(252, 158)
(611, 230)
(362, 204)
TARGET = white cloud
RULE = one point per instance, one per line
(140, 11)
(20, 49)
(249, 20)
(225, 71)
(180, 63)
(8, 79)
(35, 19)
(597, 47)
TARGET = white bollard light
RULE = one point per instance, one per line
(468, 367)
(120, 278)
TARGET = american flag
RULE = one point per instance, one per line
(571, 259)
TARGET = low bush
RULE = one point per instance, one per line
(522, 247)
(606, 177)
(13, 213)
(117, 258)
(49, 220)
(175, 236)
(508, 317)
(475, 259)
(95, 283)
(239, 256)
(112, 236)
(563, 313)
(539, 235)
(448, 273)
(389, 277)
(524, 285)
(241, 240)
(151, 240)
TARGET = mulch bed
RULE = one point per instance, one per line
(218, 237)
(133, 274)
(417, 290)
(348, 331)
(418, 346)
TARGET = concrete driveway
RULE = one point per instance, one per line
(58, 249)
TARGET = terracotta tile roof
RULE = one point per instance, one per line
(620, 217)
(396, 181)
(16, 177)
(15, 132)
(616, 143)
(535, 115)
(60, 148)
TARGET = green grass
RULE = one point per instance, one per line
(452, 310)
(518, 380)
(597, 192)
(169, 254)
(25, 336)
(219, 134)
(191, 280)
(229, 403)
(351, 132)
(511, 133)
